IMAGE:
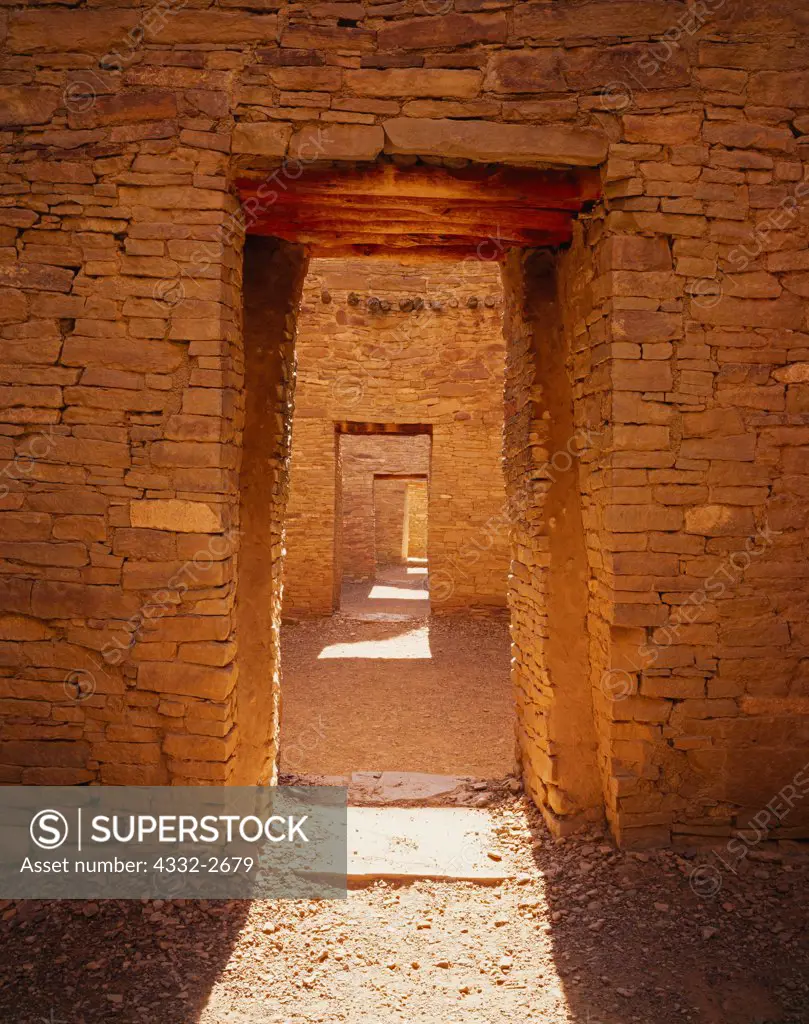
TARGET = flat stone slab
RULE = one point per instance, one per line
(450, 843)
(402, 787)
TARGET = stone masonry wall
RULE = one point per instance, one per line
(417, 524)
(440, 368)
(390, 506)
(362, 458)
(123, 129)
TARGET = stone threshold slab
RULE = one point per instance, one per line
(441, 843)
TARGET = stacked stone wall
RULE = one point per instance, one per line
(390, 508)
(362, 459)
(436, 364)
(417, 524)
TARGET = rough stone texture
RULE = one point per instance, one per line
(123, 376)
(440, 369)
(506, 143)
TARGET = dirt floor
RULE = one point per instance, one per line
(398, 590)
(396, 693)
(594, 936)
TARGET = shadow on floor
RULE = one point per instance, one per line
(595, 936)
(634, 938)
(79, 962)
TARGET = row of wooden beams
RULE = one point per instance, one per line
(428, 204)
(406, 236)
(498, 184)
(411, 257)
(357, 427)
(493, 215)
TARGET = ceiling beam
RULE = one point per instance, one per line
(476, 182)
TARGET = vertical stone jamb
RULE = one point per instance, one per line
(549, 583)
(273, 280)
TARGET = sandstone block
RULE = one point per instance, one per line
(597, 19)
(214, 26)
(730, 449)
(177, 515)
(644, 325)
(84, 528)
(635, 252)
(20, 106)
(659, 284)
(187, 628)
(15, 526)
(712, 423)
(134, 775)
(175, 575)
(35, 277)
(795, 373)
(641, 438)
(443, 30)
(306, 38)
(172, 197)
(798, 284)
(211, 748)
(141, 356)
(596, 67)
(208, 653)
(51, 599)
(719, 521)
(338, 142)
(530, 71)
(639, 518)
(641, 375)
(86, 452)
(78, 31)
(488, 141)
(53, 754)
(667, 129)
(127, 753)
(129, 108)
(262, 138)
(187, 679)
(192, 455)
(436, 82)
(83, 501)
(155, 544)
(307, 78)
(785, 312)
(744, 135)
(20, 627)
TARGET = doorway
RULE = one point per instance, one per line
(558, 707)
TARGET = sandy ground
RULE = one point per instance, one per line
(593, 937)
(415, 694)
(397, 591)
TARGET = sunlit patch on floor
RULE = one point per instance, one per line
(412, 644)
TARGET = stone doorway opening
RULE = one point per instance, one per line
(509, 223)
(396, 543)
(381, 520)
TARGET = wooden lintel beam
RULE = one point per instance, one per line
(395, 237)
(427, 204)
(476, 181)
(341, 230)
(421, 254)
(466, 220)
